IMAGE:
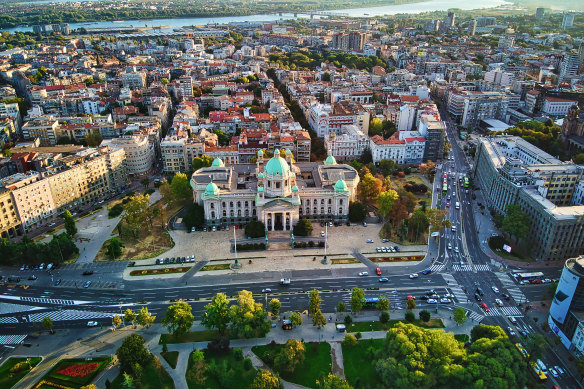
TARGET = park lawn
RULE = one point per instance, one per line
(221, 266)
(150, 243)
(189, 337)
(73, 382)
(154, 376)
(359, 365)
(244, 377)
(171, 357)
(8, 380)
(367, 326)
(316, 363)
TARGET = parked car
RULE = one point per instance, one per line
(369, 240)
(383, 279)
(91, 324)
(396, 249)
(266, 290)
(363, 274)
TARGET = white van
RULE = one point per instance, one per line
(457, 205)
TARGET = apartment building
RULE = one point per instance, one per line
(44, 128)
(33, 199)
(510, 170)
(140, 152)
(557, 107)
(134, 80)
(347, 146)
(10, 225)
(327, 118)
(392, 148)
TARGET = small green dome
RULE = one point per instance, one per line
(211, 189)
(261, 152)
(261, 175)
(330, 160)
(340, 186)
(276, 152)
(288, 152)
(217, 162)
(260, 188)
(294, 188)
(277, 166)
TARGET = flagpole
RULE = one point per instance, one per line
(236, 264)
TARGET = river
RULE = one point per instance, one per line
(414, 8)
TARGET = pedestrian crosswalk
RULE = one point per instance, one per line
(69, 314)
(12, 339)
(512, 288)
(475, 316)
(457, 267)
(482, 267)
(437, 267)
(12, 308)
(47, 301)
(8, 319)
(455, 288)
(510, 311)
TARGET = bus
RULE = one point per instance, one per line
(541, 376)
(522, 350)
(370, 301)
(444, 187)
(466, 182)
(528, 276)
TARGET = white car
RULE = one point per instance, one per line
(499, 302)
(363, 274)
(414, 275)
(369, 240)
(523, 282)
(553, 372)
(456, 249)
(432, 301)
(448, 296)
(495, 289)
(322, 233)
(91, 324)
(511, 332)
(559, 370)
(378, 249)
(449, 246)
(444, 300)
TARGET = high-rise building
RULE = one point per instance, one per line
(449, 20)
(568, 21)
(356, 41)
(569, 65)
(473, 27)
(539, 12)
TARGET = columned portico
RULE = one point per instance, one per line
(278, 220)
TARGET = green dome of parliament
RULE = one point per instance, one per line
(217, 162)
(330, 160)
(340, 186)
(211, 189)
(277, 166)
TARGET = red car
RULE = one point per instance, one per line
(378, 271)
(484, 306)
(411, 297)
(536, 281)
(447, 205)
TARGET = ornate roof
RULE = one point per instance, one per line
(217, 162)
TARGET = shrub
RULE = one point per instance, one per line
(425, 315)
(149, 191)
(311, 244)
(410, 317)
(238, 354)
(116, 210)
(218, 345)
(384, 317)
(358, 335)
(247, 364)
(320, 244)
(348, 320)
(350, 340)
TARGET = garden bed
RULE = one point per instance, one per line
(221, 266)
(367, 326)
(14, 369)
(73, 373)
(342, 261)
(154, 376)
(397, 259)
(161, 270)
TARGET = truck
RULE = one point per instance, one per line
(285, 281)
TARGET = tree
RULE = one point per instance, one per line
(290, 356)
(314, 301)
(341, 307)
(369, 187)
(436, 218)
(357, 297)
(375, 127)
(357, 211)
(303, 227)
(333, 382)
(128, 381)
(116, 321)
(386, 200)
(90, 386)
(129, 316)
(255, 229)
(47, 324)
(132, 351)
(114, 248)
(382, 304)
(410, 317)
(318, 319)
(275, 306)
(145, 319)
(199, 368)
(195, 216)
(488, 332)
(418, 223)
(70, 226)
(384, 317)
(137, 212)
(178, 319)
(181, 187)
(459, 315)
(167, 194)
(350, 340)
(425, 315)
(248, 318)
(164, 81)
(516, 223)
(265, 379)
(326, 76)
(295, 319)
(534, 345)
(217, 314)
(201, 162)
(410, 303)
(145, 182)
(93, 139)
(578, 159)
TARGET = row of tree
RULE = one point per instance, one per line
(61, 248)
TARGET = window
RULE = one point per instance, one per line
(231, 213)
(315, 211)
(213, 215)
(212, 206)
(330, 201)
(340, 211)
(231, 204)
(341, 202)
(277, 185)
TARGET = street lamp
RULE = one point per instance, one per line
(325, 243)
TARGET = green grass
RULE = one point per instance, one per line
(221, 266)
(358, 364)
(189, 337)
(7, 379)
(317, 362)
(235, 372)
(367, 326)
(154, 376)
(73, 382)
(463, 338)
(171, 357)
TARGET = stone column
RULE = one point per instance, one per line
(273, 215)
